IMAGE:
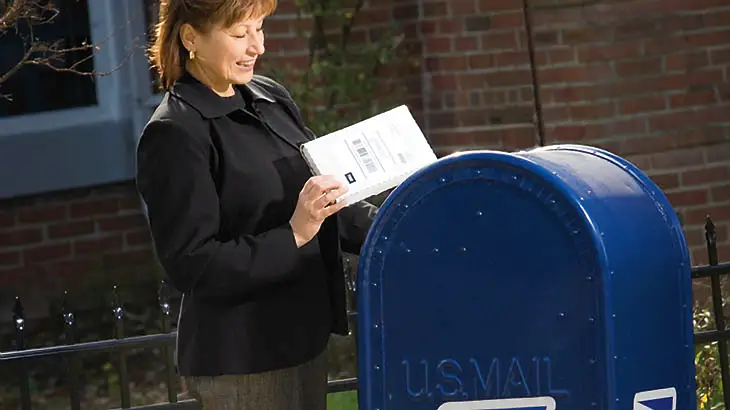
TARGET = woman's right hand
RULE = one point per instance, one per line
(315, 204)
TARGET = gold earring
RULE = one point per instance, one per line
(192, 55)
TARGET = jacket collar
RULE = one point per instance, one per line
(210, 104)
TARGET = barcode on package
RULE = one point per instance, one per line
(365, 156)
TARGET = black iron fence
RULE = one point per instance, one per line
(22, 358)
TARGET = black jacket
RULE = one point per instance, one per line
(220, 178)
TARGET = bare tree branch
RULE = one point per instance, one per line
(52, 55)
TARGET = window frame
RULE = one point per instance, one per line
(104, 27)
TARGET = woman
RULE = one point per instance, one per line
(239, 223)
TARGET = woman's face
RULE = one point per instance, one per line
(225, 55)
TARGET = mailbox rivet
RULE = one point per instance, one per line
(385, 238)
(376, 325)
(581, 198)
(375, 285)
(561, 314)
(377, 367)
(592, 361)
(463, 249)
(479, 213)
(591, 320)
(589, 192)
(614, 316)
(589, 277)
(436, 250)
(380, 252)
(514, 177)
(443, 179)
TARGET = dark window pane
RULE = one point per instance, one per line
(35, 88)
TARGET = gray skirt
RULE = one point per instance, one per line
(303, 387)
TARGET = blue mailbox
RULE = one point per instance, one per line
(555, 279)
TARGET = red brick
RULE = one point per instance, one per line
(716, 18)
(718, 153)
(496, 5)
(586, 35)
(690, 99)
(666, 181)
(434, 45)
(697, 216)
(278, 26)
(137, 238)
(642, 104)
(590, 132)
(499, 41)
(449, 27)
(45, 253)
(122, 223)
(643, 162)
(683, 119)
(465, 7)
(688, 198)
(708, 175)
(508, 20)
(651, 66)
(720, 56)
(556, 114)
(10, 258)
(687, 61)
(42, 213)
(560, 56)
(466, 43)
(450, 138)
(98, 245)
(498, 60)
(122, 260)
(580, 112)
(697, 4)
(507, 78)
(574, 74)
(510, 138)
(435, 9)
(20, 237)
(444, 81)
(446, 63)
(68, 229)
(590, 54)
(102, 206)
(74, 268)
(7, 219)
(645, 144)
(707, 39)
(720, 193)
(677, 159)
(129, 203)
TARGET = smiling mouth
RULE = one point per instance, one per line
(246, 63)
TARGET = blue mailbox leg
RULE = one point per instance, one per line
(558, 274)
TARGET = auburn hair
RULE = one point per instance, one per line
(167, 53)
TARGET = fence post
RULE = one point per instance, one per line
(164, 301)
(717, 307)
(19, 322)
(118, 311)
(72, 361)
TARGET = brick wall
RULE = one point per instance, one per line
(645, 79)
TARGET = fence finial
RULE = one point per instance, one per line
(117, 307)
(711, 240)
(19, 315)
(163, 297)
(67, 311)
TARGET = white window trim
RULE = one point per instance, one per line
(108, 88)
